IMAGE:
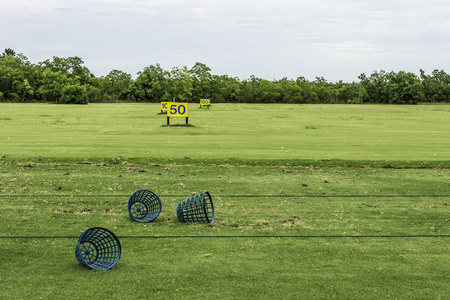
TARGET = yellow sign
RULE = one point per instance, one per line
(164, 105)
(178, 109)
(205, 101)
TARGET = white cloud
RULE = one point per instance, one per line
(266, 38)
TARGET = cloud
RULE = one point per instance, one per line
(266, 38)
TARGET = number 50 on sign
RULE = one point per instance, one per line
(178, 110)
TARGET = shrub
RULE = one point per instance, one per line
(74, 94)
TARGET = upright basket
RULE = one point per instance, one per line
(198, 209)
(98, 248)
(144, 206)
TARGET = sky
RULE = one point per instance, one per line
(269, 39)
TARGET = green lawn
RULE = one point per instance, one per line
(245, 133)
(311, 201)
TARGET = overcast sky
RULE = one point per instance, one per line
(270, 39)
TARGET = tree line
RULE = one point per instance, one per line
(67, 80)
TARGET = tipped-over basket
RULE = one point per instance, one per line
(98, 248)
(144, 206)
(197, 209)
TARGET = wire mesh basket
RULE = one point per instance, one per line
(144, 206)
(197, 209)
(98, 248)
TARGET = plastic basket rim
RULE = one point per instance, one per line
(92, 228)
(202, 198)
(212, 206)
(113, 236)
(142, 219)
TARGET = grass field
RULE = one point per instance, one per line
(242, 133)
(311, 201)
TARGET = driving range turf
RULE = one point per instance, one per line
(311, 201)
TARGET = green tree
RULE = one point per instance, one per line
(202, 81)
(324, 90)
(9, 51)
(405, 88)
(225, 88)
(349, 92)
(307, 90)
(376, 86)
(120, 84)
(52, 84)
(181, 84)
(151, 85)
(269, 92)
(71, 66)
(258, 90)
(97, 89)
(14, 77)
(290, 92)
(436, 86)
(74, 94)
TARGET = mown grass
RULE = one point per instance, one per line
(349, 268)
(319, 218)
(243, 134)
(246, 197)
